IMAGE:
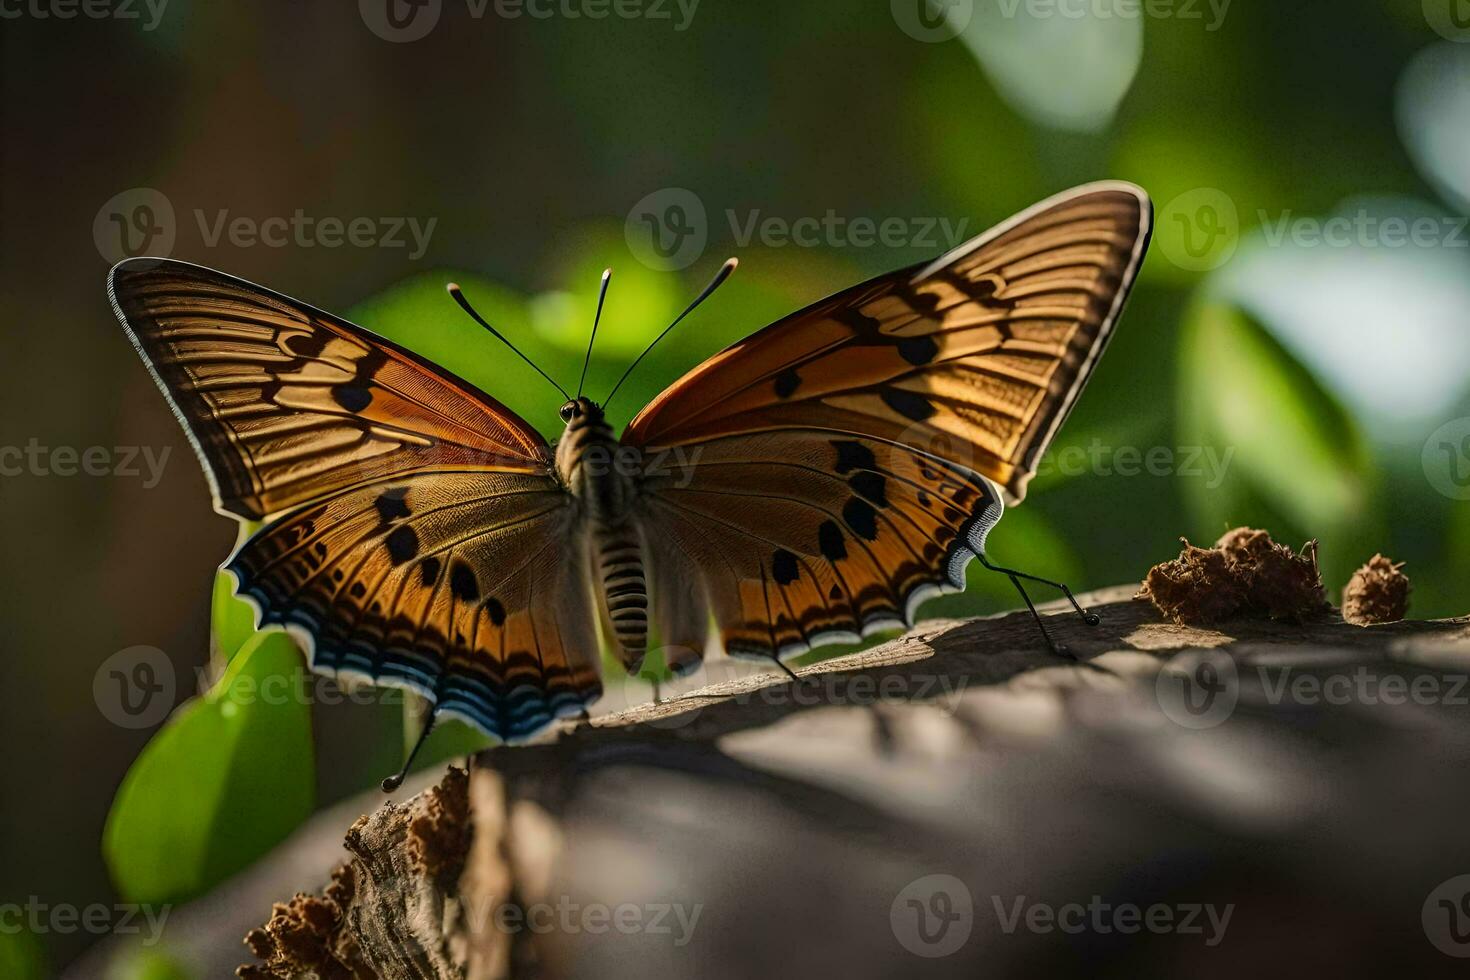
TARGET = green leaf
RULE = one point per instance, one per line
(228, 777)
(420, 315)
(231, 620)
(1297, 463)
(21, 956)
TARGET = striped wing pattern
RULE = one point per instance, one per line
(848, 460)
(285, 403)
(414, 532)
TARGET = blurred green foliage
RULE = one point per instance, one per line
(228, 776)
(21, 955)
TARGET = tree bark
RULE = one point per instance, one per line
(937, 791)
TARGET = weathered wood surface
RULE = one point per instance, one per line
(779, 828)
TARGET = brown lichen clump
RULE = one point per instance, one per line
(317, 938)
(1245, 573)
(304, 937)
(1377, 593)
(439, 834)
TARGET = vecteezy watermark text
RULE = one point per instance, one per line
(401, 21)
(674, 919)
(933, 917)
(1201, 229)
(133, 10)
(1202, 919)
(142, 221)
(1098, 459)
(1200, 689)
(1183, 10)
(669, 229)
(40, 918)
(128, 462)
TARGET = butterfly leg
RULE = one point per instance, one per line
(789, 672)
(393, 782)
(1056, 648)
(1090, 618)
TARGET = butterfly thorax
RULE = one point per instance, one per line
(600, 474)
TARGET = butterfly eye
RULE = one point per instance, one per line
(569, 411)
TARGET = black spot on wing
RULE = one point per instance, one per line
(403, 544)
(909, 404)
(918, 350)
(829, 539)
(787, 382)
(784, 568)
(853, 456)
(462, 582)
(866, 328)
(861, 517)
(354, 398)
(391, 505)
(429, 571)
(357, 590)
(870, 485)
(834, 593)
(495, 611)
(306, 344)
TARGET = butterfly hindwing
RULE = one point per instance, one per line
(465, 587)
(286, 403)
(846, 462)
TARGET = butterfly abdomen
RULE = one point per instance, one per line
(600, 473)
(624, 589)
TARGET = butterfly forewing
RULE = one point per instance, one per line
(987, 347)
(286, 403)
(846, 462)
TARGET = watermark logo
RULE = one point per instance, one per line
(1446, 459)
(1100, 459)
(1446, 917)
(142, 221)
(1198, 689)
(677, 920)
(1363, 229)
(1200, 229)
(400, 21)
(932, 21)
(149, 12)
(933, 916)
(1182, 10)
(134, 688)
(134, 222)
(1202, 919)
(1449, 18)
(126, 462)
(39, 918)
(668, 229)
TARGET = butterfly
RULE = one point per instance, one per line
(811, 484)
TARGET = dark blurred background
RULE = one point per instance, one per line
(1276, 367)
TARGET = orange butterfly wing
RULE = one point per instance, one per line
(285, 403)
(415, 534)
(834, 470)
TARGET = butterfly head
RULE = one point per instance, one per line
(580, 408)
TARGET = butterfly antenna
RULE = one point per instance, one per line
(393, 782)
(602, 295)
(459, 298)
(719, 278)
